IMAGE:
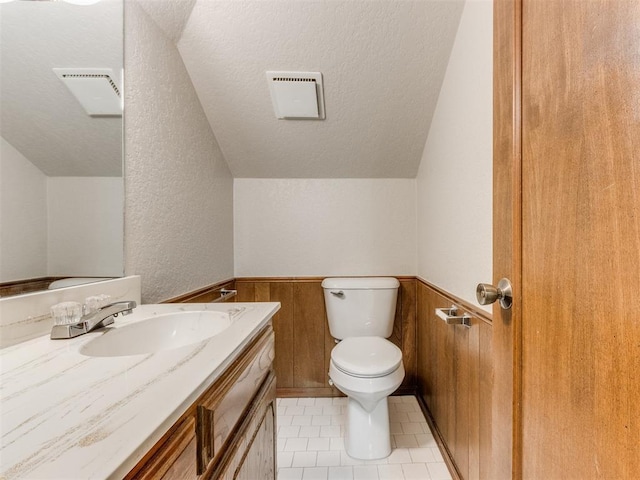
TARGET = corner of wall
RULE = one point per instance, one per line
(175, 172)
(455, 175)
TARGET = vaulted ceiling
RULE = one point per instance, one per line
(39, 116)
(382, 63)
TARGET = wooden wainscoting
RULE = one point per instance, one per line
(205, 294)
(454, 381)
(449, 367)
(20, 287)
(303, 341)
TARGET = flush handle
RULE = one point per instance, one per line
(487, 294)
(338, 294)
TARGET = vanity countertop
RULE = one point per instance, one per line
(68, 416)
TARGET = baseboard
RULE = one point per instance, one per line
(317, 392)
(442, 446)
(405, 391)
(310, 392)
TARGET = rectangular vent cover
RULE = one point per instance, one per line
(297, 95)
(94, 88)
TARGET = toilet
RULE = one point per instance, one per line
(364, 365)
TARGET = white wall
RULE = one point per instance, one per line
(57, 226)
(179, 191)
(180, 195)
(455, 176)
(321, 227)
(85, 226)
(23, 217)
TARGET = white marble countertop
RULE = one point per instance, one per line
(69, 416)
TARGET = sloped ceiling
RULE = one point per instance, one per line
(39, 116)
(382, 63)
(170, 15)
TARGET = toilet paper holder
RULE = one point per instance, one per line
(450, 316)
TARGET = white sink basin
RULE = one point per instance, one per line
(157, 333)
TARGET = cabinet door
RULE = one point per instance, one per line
(252, 454)
(259, 462)
(220, 411)
(174, 460)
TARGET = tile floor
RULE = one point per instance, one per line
(310, 445)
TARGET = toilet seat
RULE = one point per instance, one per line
(366, 357)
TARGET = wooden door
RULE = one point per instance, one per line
(507, 64)
(581, 238)
(574, 113)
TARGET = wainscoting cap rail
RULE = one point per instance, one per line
(225, 294)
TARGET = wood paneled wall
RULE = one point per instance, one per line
(454, 380)
(20, 287)
(205, 295)
(449, 367)
(303, 341)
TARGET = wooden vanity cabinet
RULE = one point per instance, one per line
(230, 431)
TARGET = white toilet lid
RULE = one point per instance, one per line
(366, 356)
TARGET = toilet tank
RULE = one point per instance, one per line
(359, 307)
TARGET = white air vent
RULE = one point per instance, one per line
(95, 89)
(297, 94)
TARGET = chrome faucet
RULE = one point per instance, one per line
(98, 319)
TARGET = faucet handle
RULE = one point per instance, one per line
(66, 313)
(95, 303)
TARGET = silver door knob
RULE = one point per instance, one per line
(487, 294)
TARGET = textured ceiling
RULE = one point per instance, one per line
(170, 15)
(39, 116)
(382, 63)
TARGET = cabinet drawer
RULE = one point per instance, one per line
(174, 458)
(252, 454)
(219, 413)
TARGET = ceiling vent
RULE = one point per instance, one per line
(297, 95)
(94, 88)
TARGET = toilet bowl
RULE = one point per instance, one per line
(367, 370)
(364, 365)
